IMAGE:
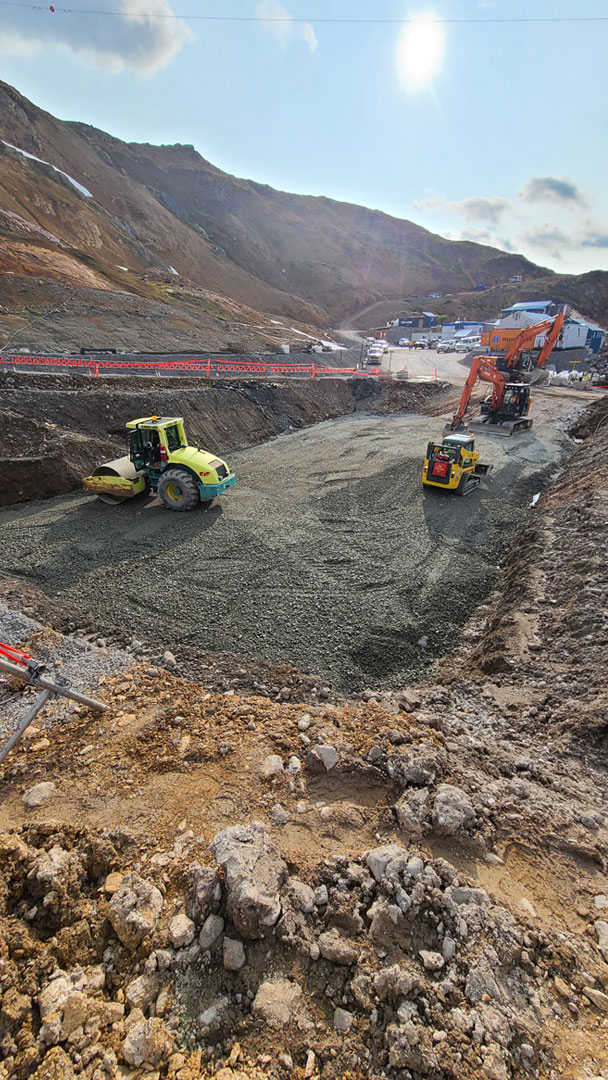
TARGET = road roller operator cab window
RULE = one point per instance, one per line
(174, 438)
(145, 448)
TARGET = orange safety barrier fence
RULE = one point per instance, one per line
(250, 367)
(205, 366)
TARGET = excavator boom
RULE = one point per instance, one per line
(524, 341)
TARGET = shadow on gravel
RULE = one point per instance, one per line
(98, 535)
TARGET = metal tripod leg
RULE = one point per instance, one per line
(30, 715)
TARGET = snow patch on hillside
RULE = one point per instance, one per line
(80, 187)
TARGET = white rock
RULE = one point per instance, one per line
(379, 858)
(253, 872)
(302, 894)
(328, 755)
(343, 1020)
(213, 926)
(148, 1042)
(182, 931)
(134, 910)
(321, 896)
(142, 991)
(279, 815)
(212, 1017)
(271, 766)
(276, 1001)
(453, 810)
(527, 908)
(294, 765)
(39, 794)
(234, 954)
(432, 961)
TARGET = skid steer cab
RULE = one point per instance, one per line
(454, 465)
(161, 462)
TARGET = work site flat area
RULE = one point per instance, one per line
(394, 867)
(328, 554)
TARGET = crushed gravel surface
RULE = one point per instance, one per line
(67, 661)
(328, 554)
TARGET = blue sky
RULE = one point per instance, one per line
(488, 131)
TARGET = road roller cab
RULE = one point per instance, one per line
(160, 461)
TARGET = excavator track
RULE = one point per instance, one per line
(504, 429)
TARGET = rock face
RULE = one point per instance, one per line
(254, 873)
(453, 810)
(134, 910)
(276, 1000)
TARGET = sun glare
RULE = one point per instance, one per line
(420, 51)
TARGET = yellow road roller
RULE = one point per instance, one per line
(161, 462)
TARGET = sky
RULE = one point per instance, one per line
(472, 127)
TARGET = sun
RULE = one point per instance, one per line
(420, 51)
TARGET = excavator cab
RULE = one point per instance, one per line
(515, 403)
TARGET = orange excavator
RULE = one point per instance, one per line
(506, 410)
(520, 357)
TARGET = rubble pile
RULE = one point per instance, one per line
(388, 961)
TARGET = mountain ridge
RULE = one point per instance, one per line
(166, 225)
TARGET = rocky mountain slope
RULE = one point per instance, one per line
(83, 206)
(587, 293)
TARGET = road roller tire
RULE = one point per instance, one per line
(178, 490)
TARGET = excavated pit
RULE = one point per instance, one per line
(328, 555)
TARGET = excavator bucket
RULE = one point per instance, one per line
(115, 481)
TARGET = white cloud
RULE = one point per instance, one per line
(129, 38)
(308, 33)
(278, 21)
(475, 208)
(551, 189)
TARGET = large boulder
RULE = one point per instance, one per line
(134, 910)
(254, 873)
